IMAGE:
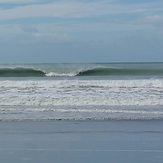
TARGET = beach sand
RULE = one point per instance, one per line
(81, 141)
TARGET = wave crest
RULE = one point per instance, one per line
(61, 72)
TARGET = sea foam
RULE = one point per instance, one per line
(81, 92)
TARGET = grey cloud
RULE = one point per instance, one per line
(76, 9)
(29, 29)
(17, 1)
(155, 19)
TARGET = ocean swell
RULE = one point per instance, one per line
(20, 72)
(79, 71)
(104, 71)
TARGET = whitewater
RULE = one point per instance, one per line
(130, 91)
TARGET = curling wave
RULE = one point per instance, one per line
(96, 71)
(20, 72)
(102, 71)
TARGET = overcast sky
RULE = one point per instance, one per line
(81, 31)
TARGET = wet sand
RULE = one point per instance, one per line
(81, 141)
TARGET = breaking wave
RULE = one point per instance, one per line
(96, 71)
(20, 72)
(100, 71)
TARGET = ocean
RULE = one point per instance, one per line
(92, 91)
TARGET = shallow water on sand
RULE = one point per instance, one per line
(81, 141)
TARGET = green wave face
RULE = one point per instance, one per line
(116, 71)
(69, 70)
(20, 72)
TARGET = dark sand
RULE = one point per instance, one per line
(81, 142)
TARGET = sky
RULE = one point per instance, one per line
(79, 31)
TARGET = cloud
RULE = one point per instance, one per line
(29, 29)
(59, 30)
(75, 9)
(52, 37)
(156, 19)
(10, 30)
(31, 35)
(57, 9)
(17, 1)
(90, 27)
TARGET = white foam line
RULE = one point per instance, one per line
(81, 150)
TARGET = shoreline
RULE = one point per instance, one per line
(81, 141)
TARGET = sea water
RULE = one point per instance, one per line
(81, 91)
